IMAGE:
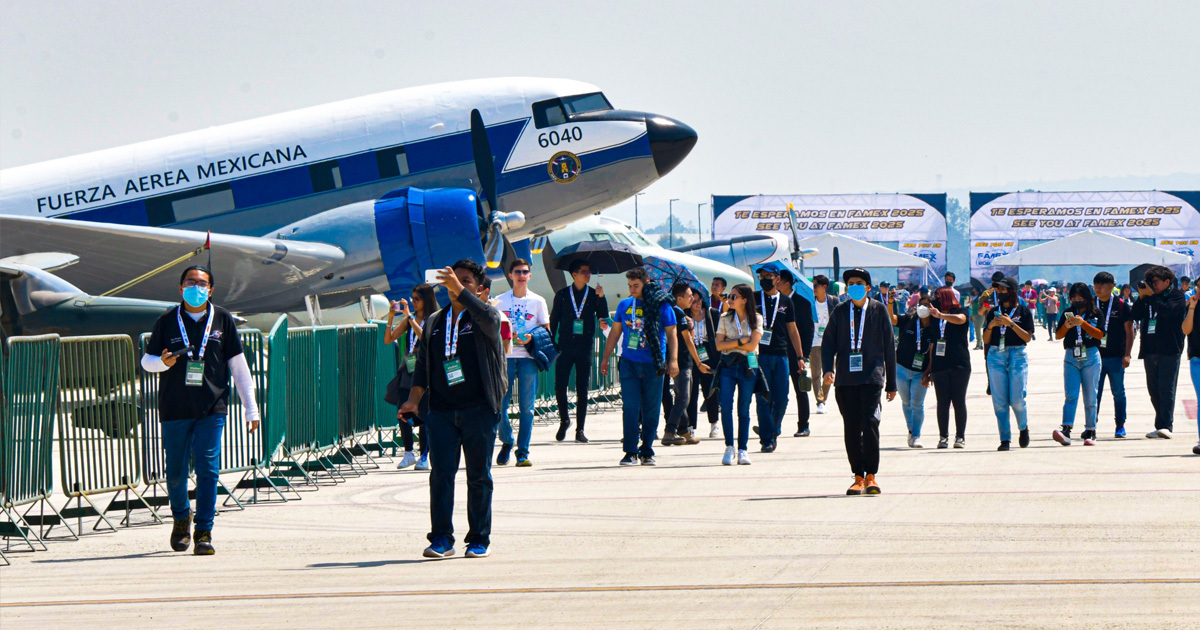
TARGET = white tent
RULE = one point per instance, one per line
(1092, 248)
(855, 253)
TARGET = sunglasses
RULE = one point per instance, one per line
(521, 272)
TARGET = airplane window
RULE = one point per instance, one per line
(392, 162)
(201, 206)
(548, 113)
(640, 239)
(601, 236)
(624, 238)
(586, 103)
(37, 289)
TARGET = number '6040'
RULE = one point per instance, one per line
(554, 138)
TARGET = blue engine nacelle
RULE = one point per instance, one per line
(390, 242)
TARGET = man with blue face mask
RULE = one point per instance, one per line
(194, 349)
(859, 349)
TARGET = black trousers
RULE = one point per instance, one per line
(861, 408)
(578, 358)
(802, 410)
(1162, 374)
(703, 383)
(951, 389)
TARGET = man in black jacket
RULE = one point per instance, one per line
(461, 363)
(573, 323)
(1160, 309)
(785, 282)
(860, 349)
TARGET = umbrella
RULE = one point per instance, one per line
(666, 273)
(1040, 281)
(801, 286)
(602, 256)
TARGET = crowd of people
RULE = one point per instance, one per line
(743, 349)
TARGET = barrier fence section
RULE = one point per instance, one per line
(358, 347)
(28, 400)
(387, 362)
(99, 425)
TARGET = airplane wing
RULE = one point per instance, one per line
(247, 270)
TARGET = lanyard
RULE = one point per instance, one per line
(183, 332)
(1004, 329)
(1108, 316)
(862, 324)
(700, 330)
(1148, 308)
(412, 339)
(452, 341)
(942, 329)
(578, 307)
(774, 310)
(737, 322)
(918, 322)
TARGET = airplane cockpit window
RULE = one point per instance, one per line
(586, 103)
(548, 113)
(601, 236)
(36, 289)
(624, 238)
(639, 239)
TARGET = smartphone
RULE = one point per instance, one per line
(431, 276)
(180, 352)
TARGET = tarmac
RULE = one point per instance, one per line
(1104, 536)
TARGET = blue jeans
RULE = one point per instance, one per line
(470, 432)
(1008, 370)
(912, 398)
(1114, 369)
(196, 442)
(1081, 373)
(524, 371)
(1195, 365)
(770, 415)
(641, 395)
(742, 380)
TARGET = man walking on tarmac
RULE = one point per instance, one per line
(194, 349)
(525, 310)
(573, 323)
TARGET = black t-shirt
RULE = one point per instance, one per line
(907, 348)
(1022, 317)
(470, 392)
(682, 324)
(1115, 326)
(958, 350)
(1072, 335)
(1193, 337)
(176, 399)
(776, 315)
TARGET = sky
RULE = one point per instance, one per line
(787, 97)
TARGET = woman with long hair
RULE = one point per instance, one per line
(949, 369)
(738, 334)
(1078, 327)
(408, 332)
(1009, 328)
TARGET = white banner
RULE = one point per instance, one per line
(984, 252)
(1185, 246)
(1047, 216)
(872, 218)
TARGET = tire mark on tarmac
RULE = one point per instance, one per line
(603, 589)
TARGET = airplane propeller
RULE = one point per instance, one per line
(485, 169)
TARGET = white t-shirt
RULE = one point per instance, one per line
(525, 313)
(822, 322)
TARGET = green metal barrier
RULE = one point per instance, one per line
(29, 385)
(99, 425)
(387, 361)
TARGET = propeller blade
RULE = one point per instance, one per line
(493, 249)
(485, 168)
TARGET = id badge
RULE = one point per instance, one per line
(1104, 341)
(918, 361)
(632, 341)
(1001, 342)
(752, 358)
(1078, 351)
(1150, 326)
(766, 338)
(195, 374)
(821, 331)
(454, 371)
(856, 362)
(941, 348)
(577, 327)
(702, 352)
(410, 363)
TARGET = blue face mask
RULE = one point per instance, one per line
(195, 296)
(857, 291)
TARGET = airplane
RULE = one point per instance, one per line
(743, 252)
(328, 205)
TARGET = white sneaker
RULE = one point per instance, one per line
(712, 434)
(916, 442)
(743, 458)
(728, 459)
(423, 464)
(910, 438)
(1164, 434)
(409, 459)
(1153, 435)
(820, 407)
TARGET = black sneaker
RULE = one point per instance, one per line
(1062, 436)
(1024, 439)
(580, 437)
(648, 460)
(505, 451)
(562, 431)
(630, 459)
(1089, 437)
(944, 442)
(769, 447)
(1003, 446)
(204, 545)
(755, 429)
(181, 537)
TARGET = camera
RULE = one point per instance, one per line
(1142, 284)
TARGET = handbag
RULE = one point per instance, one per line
(391, 395)
(804, 382)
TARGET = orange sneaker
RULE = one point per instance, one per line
(857, 488)
(872, 487)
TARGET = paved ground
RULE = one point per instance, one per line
(1081, 537)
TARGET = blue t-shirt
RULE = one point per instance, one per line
(629, 314)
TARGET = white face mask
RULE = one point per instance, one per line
(922, 311)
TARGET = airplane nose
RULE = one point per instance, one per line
(670, 142)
